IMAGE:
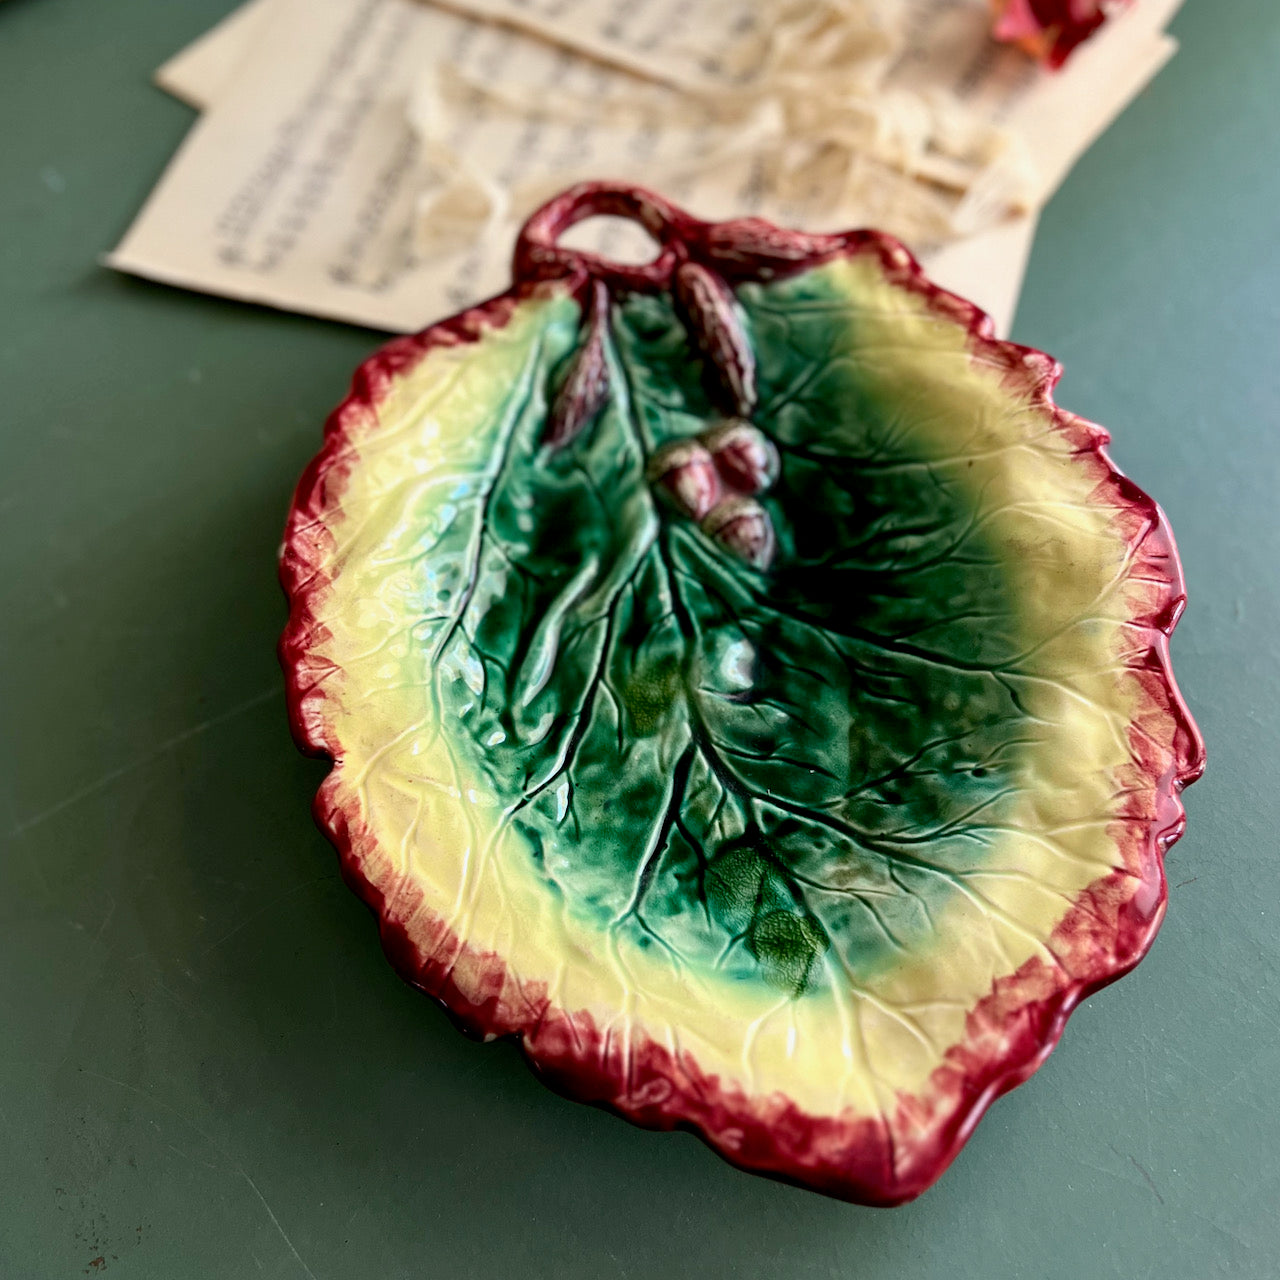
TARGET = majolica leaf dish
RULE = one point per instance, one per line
(744, 686)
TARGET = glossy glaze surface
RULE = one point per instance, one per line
(806, 824)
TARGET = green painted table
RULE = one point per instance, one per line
(206, 1067)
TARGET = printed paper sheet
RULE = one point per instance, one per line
(305, 185)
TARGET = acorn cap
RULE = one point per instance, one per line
(745, 457)
(684, 472)
(742, 526)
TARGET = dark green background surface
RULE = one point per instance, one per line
(206, 1067)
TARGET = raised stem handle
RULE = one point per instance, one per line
(539, 255)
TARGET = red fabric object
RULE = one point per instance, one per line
(1051, 29)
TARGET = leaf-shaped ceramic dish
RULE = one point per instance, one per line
(744, 686)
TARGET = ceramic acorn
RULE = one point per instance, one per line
(744, 686)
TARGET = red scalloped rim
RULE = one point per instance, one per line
(1013, 1029)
